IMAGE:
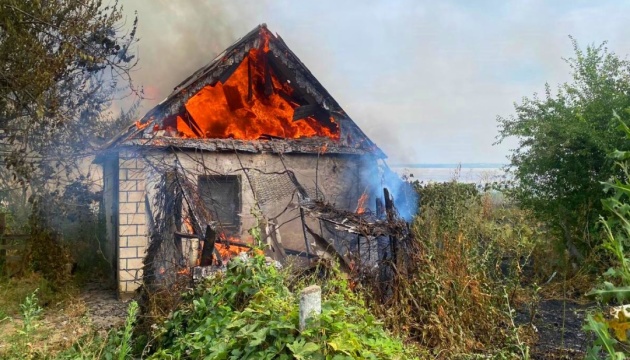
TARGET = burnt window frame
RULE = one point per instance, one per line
(235, 228)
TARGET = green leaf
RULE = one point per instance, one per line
(610, 291)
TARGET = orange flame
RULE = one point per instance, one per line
(189, 225)
(251, 104)
(361, 203)
(140, 125)
(228, 251)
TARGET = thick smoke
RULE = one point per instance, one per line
(179, 37)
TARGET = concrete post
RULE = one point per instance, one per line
(310, 304)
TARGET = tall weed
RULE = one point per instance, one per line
(466, 252)
(611, 336)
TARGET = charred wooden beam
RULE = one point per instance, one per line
(186, 235)
(380, 208)
(288, 98)
(389, 209)
(208, 247)
(229, 71)
(285, 73)
(217, 240)
(250, 86)
(308, 245)
(232, 242)
(324, 117)
(300, 253)
(304, 111)
(268, 81)
(233, 97)
(192, 124)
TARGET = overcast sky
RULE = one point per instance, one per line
(425, 80)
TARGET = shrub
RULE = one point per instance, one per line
(249, 313)
(564, 139)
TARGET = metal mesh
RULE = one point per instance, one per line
(271, 187)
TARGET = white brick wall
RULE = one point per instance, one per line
(132, 222)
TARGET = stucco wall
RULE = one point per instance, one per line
(340, 180)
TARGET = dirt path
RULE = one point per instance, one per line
(103, 308)
(94, 309)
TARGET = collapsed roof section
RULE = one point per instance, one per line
(255, 96)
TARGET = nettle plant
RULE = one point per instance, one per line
(248, 312)
(611, 333)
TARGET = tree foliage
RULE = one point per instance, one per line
(62, 62)
(564, 139)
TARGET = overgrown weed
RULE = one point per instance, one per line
(468, 255)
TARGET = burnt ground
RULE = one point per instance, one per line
(557, 327)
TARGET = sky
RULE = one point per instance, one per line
(425, 80)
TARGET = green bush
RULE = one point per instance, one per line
(564, 138)
(249, 313)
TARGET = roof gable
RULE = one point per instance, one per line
(256, 92)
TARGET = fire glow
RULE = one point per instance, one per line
(361, 203)
(253, 103)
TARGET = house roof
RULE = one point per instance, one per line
(309, 100)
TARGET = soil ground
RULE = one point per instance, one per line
(554, 325)
(557, 326)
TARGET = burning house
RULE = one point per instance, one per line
(236, 153)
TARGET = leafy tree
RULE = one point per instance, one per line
(62, 62)
(563, 144)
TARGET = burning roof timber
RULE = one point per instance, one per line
(255, 96)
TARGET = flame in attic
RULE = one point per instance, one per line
(253, 103)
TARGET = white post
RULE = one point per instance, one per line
(310, 304)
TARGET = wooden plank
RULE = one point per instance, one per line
(228, 72)
(208, 247)
(233, 97)
(304, 111)
(390, 212)
(250, 86)
(268, 82)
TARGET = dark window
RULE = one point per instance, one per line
(221, 194)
